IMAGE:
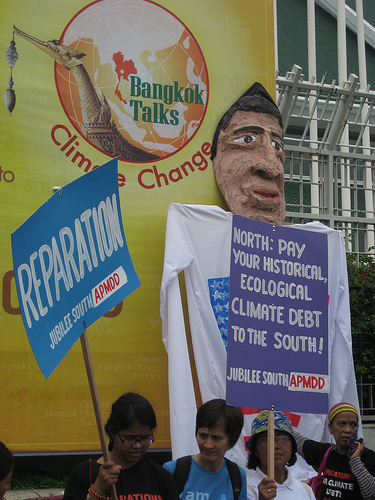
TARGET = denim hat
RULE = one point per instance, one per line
(260, 424)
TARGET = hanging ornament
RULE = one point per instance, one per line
(11, 53)
(10, 95)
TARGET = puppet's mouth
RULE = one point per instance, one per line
(269, 195)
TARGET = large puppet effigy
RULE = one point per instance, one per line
(247, 156)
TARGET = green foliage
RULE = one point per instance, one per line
(34, 480)
(361, 277)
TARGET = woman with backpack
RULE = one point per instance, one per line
(208, 474)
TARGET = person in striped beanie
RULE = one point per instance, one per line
(349, 469)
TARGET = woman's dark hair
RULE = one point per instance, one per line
(253, 460)
(6, 461)
(129, 408)
(217, 411)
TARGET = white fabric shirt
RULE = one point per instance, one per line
(290, 489)
(198, 242)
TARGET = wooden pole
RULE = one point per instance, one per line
(95, 402)
(271, 444)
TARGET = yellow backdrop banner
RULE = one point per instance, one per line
(146, 82)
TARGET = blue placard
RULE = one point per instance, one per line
(72, 264)
(278, 318)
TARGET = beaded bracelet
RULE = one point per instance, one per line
(95, 495)
(90, 496)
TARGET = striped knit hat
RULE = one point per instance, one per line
(339, 408)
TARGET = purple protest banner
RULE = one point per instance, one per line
(278, 318)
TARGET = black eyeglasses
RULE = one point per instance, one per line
(132, 440)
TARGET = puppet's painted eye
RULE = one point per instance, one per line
(277, 146)
(246, 139)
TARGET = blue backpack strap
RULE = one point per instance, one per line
(181, 472)
(235, 477)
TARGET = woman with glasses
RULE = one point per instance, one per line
(208, 475)
(260, 486)
(130, 429)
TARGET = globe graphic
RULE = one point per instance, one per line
(148, 67)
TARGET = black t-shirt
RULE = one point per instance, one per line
(339, 480)
(146, 480)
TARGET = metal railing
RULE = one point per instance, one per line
(366, 395)
(332, 107)
(329, 135)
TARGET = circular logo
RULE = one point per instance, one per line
(133, 80)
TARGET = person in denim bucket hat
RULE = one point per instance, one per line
(260, 424)
(260, 485)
